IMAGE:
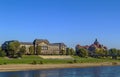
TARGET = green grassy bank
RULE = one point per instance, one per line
(37, 60)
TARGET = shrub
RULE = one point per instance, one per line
(75, 61)
(34, 62)
(2, 54)
(4, 63)
(82, 52)
(41, 62)
(71, 62)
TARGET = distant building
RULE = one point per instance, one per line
(27, 45)
(46, 47)
(49, 48)
(92, 48)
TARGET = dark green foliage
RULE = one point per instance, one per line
(70, 51)
(114, 53)
(34, 62)
(22, 50)
(2, 53)
(38, 50)
(70, 62)
(82, 52)
(31, 50)
(12, 48)
(41, 62)
(99, 53)
(67, 51)
(75, 61)
(62, 52)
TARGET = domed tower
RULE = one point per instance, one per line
(96, 43)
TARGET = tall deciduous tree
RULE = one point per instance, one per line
(38, 50)
(31, 50)
(67, 51)
(62, 52)
(82, 52)
(13, 48)
(113, 52)
(72, 51)
(23, 49)
(2, 53)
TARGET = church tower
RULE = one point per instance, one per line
(96, 42)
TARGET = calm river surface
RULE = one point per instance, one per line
(109, 71)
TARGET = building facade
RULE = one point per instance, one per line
(92, 48)
(49, 48)
(27, 45)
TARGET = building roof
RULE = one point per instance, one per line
(41, 40)
(26, 43)
(62, 44)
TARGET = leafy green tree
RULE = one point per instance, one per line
(82, 52)
(67, 51)
(13, 48)
(113, 52)
(118, 52)
(38, 50)
(2, 53)
(62, 52)
(100, 52)
(31, 50)
(72, 51)
(22, 50)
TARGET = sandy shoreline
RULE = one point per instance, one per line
(20, 67)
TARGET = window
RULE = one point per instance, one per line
(44, 48)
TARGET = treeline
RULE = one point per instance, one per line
(13, 49)
(98, 53)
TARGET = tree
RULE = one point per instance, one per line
(100, 52)
(82, 52)
(113, 52)
(31, 50)
(2, 53)
(13, 48)
(72, 51)
(67, 51)
(62, 52)
(22, 50)
(38, 50)
(118, 52)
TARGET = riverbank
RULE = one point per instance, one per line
(22, 67)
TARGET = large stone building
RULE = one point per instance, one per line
(92, 48)
(27, 45)
(46, 46)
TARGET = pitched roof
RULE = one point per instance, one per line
(26, 43)
(62, 44)
(41, 40)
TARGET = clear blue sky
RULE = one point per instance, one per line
(68, 21)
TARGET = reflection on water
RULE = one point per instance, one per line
(113, 71)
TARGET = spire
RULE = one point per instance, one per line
(96, 41)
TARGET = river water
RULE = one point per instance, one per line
(103, 71)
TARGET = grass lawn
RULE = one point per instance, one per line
(33, 59)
